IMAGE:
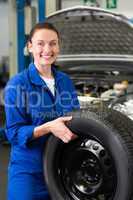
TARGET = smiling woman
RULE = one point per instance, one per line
(36, 101)
(44, 46)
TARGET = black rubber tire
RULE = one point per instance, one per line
(115, 132)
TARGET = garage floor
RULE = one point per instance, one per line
(4, 156)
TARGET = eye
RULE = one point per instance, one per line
(40, 44)
(53, 43)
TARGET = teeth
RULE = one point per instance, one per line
(46, 56)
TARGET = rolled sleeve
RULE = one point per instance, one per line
(19, 131)
(25, 134)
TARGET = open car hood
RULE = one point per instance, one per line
(93, 35)
(96, 51)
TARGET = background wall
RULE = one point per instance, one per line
(4, 32)
(123, 6)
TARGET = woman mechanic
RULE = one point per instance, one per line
(36, 101)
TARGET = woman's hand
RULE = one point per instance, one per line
(57, 127)
(60, 130)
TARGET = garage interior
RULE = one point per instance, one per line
(18, 17)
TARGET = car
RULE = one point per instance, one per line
(97, 53)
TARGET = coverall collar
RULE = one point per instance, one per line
(35, 77)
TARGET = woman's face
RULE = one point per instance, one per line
(44, 47)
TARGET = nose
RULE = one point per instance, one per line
(47, 48)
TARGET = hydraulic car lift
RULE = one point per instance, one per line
(21, 36)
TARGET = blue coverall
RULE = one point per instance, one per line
(29, 103)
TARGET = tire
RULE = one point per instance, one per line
(98, 165)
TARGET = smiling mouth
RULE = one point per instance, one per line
(47, 57)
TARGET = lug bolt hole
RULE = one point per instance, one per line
(102, 153)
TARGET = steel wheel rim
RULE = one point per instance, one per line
(86, 170)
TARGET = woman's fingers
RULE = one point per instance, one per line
(66, 119)
(60, 130)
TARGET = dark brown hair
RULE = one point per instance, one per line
(42, 25)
